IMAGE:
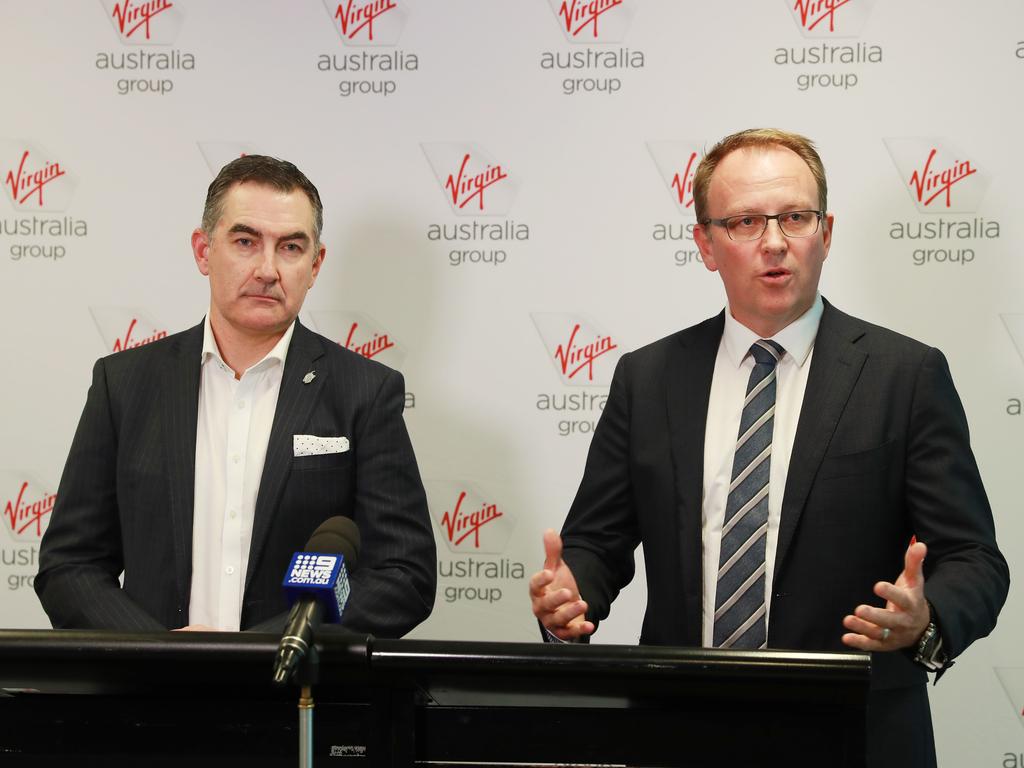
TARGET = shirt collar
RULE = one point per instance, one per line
(797, 338)
(276, 355)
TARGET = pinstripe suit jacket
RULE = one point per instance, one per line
(125, 500)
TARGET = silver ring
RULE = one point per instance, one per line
(885, 633)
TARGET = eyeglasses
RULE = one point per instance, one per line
(751, 226)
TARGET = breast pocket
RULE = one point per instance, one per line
(873, 461)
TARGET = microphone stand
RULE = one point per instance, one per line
(306, 676)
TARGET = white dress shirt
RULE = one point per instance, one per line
(235, 417)
(728, 390)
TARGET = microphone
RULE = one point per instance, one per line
(317, 586)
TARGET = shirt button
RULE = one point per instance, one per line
(229, 570)
(235, 458)
(241, 404)
(232, 514)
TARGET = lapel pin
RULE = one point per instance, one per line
(309, 377)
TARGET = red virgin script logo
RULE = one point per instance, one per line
(356, 17)
(379, 342)
(24, 183)
(816, 12)
(130, 341)
(572, 358)
(930, 183)
(465, 188)
(131, 17)
(460, 525)
(578, 15)
(24, 518)
(683, 185)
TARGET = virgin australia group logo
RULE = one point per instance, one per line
(474, 183)
(830, 18)
(368, 22)
(940, 177)
(583, 355)
(27, 506)
(469, 520)
(361, 334)
(33, 178)
(593, 21)
(155, 22)
(122, 328)
(676, 162)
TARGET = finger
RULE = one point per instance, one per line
(540, 581)
(552, 549)
(553, 600)
(905, 599)
(574, 631)
(867, 628)
(913, 564)
(565, 615)
(861, 643)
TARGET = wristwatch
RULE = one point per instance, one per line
(930, 654)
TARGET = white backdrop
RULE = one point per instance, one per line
(496, 173)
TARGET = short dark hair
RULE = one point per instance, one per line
(260, 169)
(759, 138)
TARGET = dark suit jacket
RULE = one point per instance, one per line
(881, 453)
(126, 496)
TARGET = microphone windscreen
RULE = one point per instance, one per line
(337, 536)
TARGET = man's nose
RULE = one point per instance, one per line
(266, 266)
(773, 240)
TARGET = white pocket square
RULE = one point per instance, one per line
(311, 445)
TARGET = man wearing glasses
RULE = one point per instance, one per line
(778, 460)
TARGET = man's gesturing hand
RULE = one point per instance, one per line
(905, 616)
(555, 596)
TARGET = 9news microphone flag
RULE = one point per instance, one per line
(317, 586)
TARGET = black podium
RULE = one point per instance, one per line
(205, 699)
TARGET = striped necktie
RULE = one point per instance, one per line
(739, 598)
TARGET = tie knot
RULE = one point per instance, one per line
(766, 352)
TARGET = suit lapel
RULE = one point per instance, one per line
(835, 368)
(180, 416)
(690, 367)
(295, 403)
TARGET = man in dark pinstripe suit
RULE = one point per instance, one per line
(204, 460)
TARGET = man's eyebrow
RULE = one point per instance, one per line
(300, 235)
(245, 229)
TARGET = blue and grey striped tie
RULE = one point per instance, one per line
(739, 599)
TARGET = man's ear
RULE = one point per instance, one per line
(702, 237)
(317, 263)
(201, 250)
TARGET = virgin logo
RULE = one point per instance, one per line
(816, 12)
(131, 17)
(370, 348)
(459, 525)
(573, 358)
(579, 15)
(354, 18)
(936, 177)
(465, 188)
(24, 518)
(25, 184)
(130, 341)
(683, 184)
(930, 183)
(677, 163)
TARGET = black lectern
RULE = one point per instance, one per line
(205, 699)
